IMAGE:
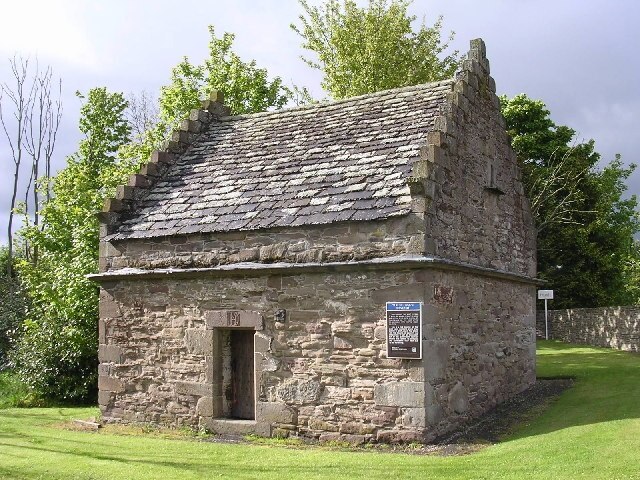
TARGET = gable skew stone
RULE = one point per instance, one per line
(472, 80)
(140, 183)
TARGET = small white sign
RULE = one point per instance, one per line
(545, 294)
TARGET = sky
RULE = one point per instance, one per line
(579, 57)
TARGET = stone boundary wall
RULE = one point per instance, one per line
(615, 327)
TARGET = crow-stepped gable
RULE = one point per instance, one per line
(246, 271)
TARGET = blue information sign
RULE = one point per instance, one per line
(404, 330)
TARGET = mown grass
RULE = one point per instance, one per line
(591, 431)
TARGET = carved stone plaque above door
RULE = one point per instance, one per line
(246, 319)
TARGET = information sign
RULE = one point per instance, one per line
(404, 330)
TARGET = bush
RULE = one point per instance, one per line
(14, 393)
(58, 361)
(12, 309)
(57, 356)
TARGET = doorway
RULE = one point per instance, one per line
(241, 381)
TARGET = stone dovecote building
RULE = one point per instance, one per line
(244, 272)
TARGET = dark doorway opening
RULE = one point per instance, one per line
(242, 378)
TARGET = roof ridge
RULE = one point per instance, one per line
(329, 103)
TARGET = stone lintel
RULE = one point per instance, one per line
(244, 319)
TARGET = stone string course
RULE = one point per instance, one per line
(614, 327)
(450, 188)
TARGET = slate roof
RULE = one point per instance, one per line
(324, 163)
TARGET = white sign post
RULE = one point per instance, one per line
(545, 295)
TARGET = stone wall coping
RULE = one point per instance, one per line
(286, 268)
(596, 310)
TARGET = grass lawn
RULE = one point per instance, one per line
(592, 431)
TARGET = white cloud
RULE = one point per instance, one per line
(50, 29)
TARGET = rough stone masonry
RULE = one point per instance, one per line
(244, 271)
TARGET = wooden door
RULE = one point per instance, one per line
(242, 381)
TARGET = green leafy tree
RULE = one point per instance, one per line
(246, 88)
(57, 354)
(12, 306)
(365, 50)
(632, 272)
(553, 164)
(586, 249)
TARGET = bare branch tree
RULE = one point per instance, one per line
(37, 111)
(142, 113)
(55, 116)
(560, 183)
(43, 121)
(19, 98)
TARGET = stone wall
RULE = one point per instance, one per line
(346, 241)
(321, 369)
(615, 327)
(479, 213)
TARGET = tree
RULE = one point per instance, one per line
(586, 249)
(43, 121)
(57, 354)
(246, 88)
(36, 110)
(12, 308)
(142, 114)
(553, 165)
(364, 50)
